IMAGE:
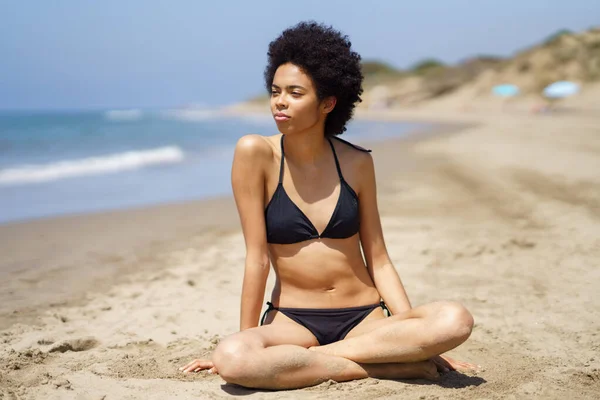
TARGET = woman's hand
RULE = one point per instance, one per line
(199, 365)
(445, 364)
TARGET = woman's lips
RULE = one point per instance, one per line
(281, 117)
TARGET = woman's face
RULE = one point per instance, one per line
(294, 102)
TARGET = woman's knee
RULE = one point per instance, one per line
(456, 321)
(233, 356)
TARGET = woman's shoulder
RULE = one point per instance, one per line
(351, 153)
(255, 146)
(352, 145)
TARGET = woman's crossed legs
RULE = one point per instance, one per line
(285, 355)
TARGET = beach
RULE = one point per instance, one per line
(497, 210)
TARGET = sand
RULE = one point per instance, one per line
(501, 214)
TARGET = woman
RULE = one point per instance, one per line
(307, 204)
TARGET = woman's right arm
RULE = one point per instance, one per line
(248, 174)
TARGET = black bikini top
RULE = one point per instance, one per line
(287, 224)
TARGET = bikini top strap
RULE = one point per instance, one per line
(337, 163)
(282, 157)
(357, 147)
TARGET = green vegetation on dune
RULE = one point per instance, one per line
(426, 66)
(380, 73)
(373, 68)
(555, 37)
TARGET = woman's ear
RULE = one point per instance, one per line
(328, 104)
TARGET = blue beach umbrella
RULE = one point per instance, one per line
(560, 89)
(506, 90)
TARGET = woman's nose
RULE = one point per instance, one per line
(281, 101)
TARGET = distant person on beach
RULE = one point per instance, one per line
(307, 204)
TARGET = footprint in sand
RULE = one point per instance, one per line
(81, 344)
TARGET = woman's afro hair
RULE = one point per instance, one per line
(325, 55)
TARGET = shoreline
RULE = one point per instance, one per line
(93, 191)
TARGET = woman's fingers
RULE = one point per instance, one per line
(462, 366)
(213, 370)
(188, 365)
(197, 365)
(467, 366)
(446, 363)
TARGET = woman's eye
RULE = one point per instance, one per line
(296, 94)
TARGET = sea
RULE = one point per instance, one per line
(59, 163)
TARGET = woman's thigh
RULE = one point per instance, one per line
(277, 330)
(378, 319)
(449, 312)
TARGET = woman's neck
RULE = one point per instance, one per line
(306, 148)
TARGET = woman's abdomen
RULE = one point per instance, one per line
(327, 273)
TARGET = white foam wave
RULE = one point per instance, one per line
(91, 166)
(123, 115)
(191, 114)
(198, 115)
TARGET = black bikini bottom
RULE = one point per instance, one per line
(327, 324)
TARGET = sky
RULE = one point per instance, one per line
(74, 54)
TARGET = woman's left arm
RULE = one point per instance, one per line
(384, 275)
(386, 278)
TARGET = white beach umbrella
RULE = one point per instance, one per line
(561, 89)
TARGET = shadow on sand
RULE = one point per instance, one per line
(450, 380)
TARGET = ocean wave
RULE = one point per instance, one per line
(199, 115)
(192, 114)
(123, 115)
(91, 166)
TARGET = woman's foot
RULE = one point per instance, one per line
(417, 370)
